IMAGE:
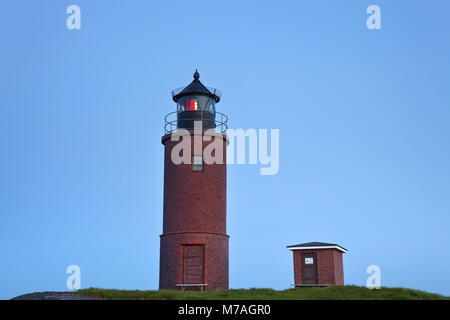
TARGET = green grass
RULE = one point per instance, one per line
(316, 293)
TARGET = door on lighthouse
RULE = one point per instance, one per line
(309, 268)
(194, 265)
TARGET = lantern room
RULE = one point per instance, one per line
(196, 102)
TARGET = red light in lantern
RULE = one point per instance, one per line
(191, 105)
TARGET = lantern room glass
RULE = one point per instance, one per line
(196, 102)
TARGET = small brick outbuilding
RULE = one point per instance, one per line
(318, 263)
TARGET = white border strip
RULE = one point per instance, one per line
(318, 247)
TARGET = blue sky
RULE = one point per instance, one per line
(364, 124)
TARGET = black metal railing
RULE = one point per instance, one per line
(171, 121)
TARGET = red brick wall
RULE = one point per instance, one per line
(338, 267)
(216, 259)
(194, 213)
(329, 266)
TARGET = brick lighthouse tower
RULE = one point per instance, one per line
(194, 243)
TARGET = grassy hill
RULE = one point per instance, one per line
(316, 293)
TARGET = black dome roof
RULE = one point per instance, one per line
(196, 87)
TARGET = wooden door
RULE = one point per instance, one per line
(193, 264)
(309, 268)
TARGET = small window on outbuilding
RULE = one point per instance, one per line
(197, 163)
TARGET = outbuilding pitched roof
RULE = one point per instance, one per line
(316, 245)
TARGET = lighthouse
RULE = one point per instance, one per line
(194, 243)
